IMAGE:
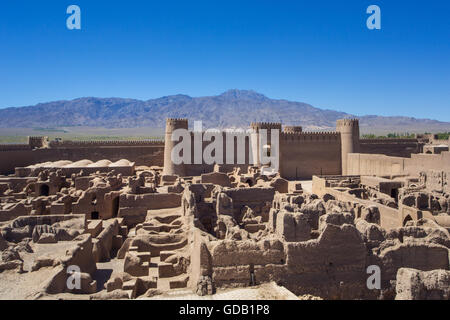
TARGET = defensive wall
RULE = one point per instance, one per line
(22, 155)
(302, 154)
(382, 165)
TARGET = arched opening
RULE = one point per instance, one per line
(115, 207)
(429, 152)
(95, 215)
(249, 182)
(44, 190)
(407, 219)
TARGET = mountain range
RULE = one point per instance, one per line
(233, 108)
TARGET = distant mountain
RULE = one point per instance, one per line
(234, 108)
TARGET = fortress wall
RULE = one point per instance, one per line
(424, 162)
(199, 169)
(104, 143)
(9, 160)
(391, 147)
(140, 154)
(375, 164)
(14, 147)
(382, 165)
(303, 155)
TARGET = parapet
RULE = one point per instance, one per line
(15, 147)
(177, 122)
(292, 129)
(38, 142)
(347, 122)
(310, 136)
(265, 125)
(106, 143)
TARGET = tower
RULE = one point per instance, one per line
(38, 142)
(349, 130)
(169, 167)
(256, 148)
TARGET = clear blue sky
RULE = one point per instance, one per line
(319, 52)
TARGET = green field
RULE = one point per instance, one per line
(19, 135)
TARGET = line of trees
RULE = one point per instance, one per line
(405, 135)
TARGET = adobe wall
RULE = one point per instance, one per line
(391, 147)
(123, 170)
(437, 181)
(254, 198)
(303, 155)
(148, 155)
(11, 159)
(389, 217)
(382, 165)
(332, 266)
(424, 162)
(199, 169)
(375, 164)
(133, 208)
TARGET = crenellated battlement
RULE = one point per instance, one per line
(106, 143)
(265, 125)
(347, 122)
(14, 147)
(175, 121)
(37, 141)
(388, 140)
(308, 136)
(294, 129)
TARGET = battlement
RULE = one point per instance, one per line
(225, 133)
(108, 143)
(347, 122)
(37, 141)
(389, 140)
(265, 125)
(14, 147)
(293, 129)
(308, 136)
(176, 121)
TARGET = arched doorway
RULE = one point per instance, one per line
(407, 219)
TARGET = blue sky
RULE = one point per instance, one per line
(319, 52)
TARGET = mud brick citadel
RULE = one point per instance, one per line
(139, 226)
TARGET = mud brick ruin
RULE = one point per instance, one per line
(139, 226)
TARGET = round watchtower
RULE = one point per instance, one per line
(349, 130)
(169, 167)
(265, 125)
(265, 149)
